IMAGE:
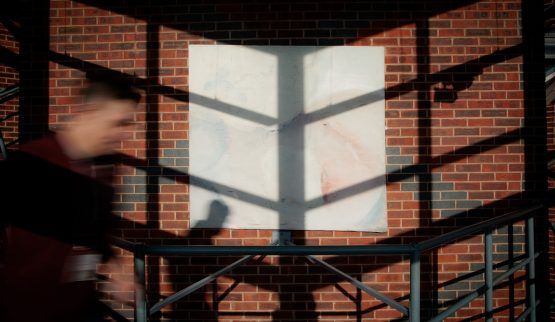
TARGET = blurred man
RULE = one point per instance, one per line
(57, 195)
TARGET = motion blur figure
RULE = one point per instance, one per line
(57, 198)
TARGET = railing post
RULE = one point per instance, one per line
(531, 268)
(414, 305)
(141, 314)
(488, 254)
(3, 150)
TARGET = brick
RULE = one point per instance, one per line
(410, 186)
(455, 195)
(443, 204)
(488, 105)
(167, 162)
(392, 150)
(468, 204)
(176, 153)
(124, 206)
(134, 180)
(182, 144)
(450, 213)
(442, 186)
(181, 162)
(242, 34)
(399, 160)
(133, 198)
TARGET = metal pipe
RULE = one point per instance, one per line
(413, 250)
(476, 228)
(513, 269)
(140, 294)
(9, 116)
(9, 90)
(7, 94)
(3, 150)
(414, 305)
(124, 244)
(460, 304)
(525, 314)
(488, 254)
(391, 302)
(178, 250)
(531, 268)
(195, 286)
(203, 282)
(175, 250)
(477, 293)
(12, 142)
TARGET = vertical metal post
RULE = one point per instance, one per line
(141, 314)
(414, 305)
(531, 268)
(488, 254)
(3, 150)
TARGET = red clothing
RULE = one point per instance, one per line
(55, 204)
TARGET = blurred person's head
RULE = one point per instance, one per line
(99, 128)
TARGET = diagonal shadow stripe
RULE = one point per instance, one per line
(410, 171)
(185, 178)
(412, 11)
(436, 228)
(8, 57)
(235, 193)
(231, 109)
(396, 176)
(468, 70)
(168, 91)
(12, 27)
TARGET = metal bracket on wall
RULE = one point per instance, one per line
(281, 237)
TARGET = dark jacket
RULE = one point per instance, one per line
(50, 204)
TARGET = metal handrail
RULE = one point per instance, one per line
(8, 92)
(124, 244)
(195, 286)
(3, 150)
(480, 291)
(415, 251)
(474, 229)
(5, 95)
(358, 284)
(9, 116)
(174, 250)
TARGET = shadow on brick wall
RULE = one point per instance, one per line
(337, 27)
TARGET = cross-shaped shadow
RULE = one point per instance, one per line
(474, 66)
(412, 11)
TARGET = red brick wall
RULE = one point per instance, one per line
(454, 109)
(551, 182)
(9, 76)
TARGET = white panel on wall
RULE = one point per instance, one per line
(287, 137)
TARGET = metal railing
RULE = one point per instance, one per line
(415, 251)
(8, 93)
(5, 95)
(552, 263)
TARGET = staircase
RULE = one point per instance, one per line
(7, 94)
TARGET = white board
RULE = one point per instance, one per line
(287, 137)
